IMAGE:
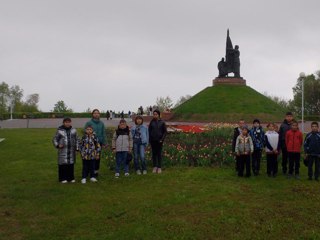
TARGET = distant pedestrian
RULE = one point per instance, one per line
(122, 115)
(157, 134)
(243, 149)
(236, 132)
(100, 132)
(312, 151)
(140, 135)
(66, 141)
(122, 146)
(108, 115)
(111, 114)
(90, 151)
(272, 150)
(294, 141)
(285, 126)
(257, 135)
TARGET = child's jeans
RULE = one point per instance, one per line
(88, 166)
(139, 152)
(294, 162)
(244, 160)
(315, 160)
(121, 159)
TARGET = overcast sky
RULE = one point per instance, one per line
(122, 54)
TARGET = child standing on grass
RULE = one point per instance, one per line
(157, 134)
(140, 137)
(257, 135)
(122, 146)
(294, 141)
(284, 127)
(312, 150)
(272, 143)
(236, 132)
(66, 141)
(100, 133)
(243, 149)
(90, 151)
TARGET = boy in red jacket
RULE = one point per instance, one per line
(294, 141)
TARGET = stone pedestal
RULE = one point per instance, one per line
(228, 81)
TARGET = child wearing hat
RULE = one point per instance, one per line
(257, 135)
(243, 149)
(66, 141)
(122, 146)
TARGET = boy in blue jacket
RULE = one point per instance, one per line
(312, 150)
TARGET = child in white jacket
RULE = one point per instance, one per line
(272, 150)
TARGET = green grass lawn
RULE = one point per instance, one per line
(229, 104)
(181, 203)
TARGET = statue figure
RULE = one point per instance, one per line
(232, 63)
(222, 68)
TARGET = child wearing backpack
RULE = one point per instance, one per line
(122, 146)
(312, 150)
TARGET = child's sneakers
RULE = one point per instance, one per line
(138, 172)
(159, 170)
(83, 181)
(117, 175)
(93, 179)
(126, 174)
(73, 181)
(154, 170)
(64, 181)
(144, 172)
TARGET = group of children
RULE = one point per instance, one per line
(248, 146)
(124, 141)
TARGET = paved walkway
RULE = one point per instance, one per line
(80, 122)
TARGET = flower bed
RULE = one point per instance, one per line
(206, 148)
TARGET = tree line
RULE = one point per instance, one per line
(13, 96)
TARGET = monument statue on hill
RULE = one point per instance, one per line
(230, 64)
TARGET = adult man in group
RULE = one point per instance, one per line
(285, 126)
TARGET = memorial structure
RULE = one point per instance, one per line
(229, 64)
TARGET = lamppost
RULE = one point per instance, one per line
(302, 78)
(11, 104)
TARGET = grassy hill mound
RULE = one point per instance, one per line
(228, 104)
